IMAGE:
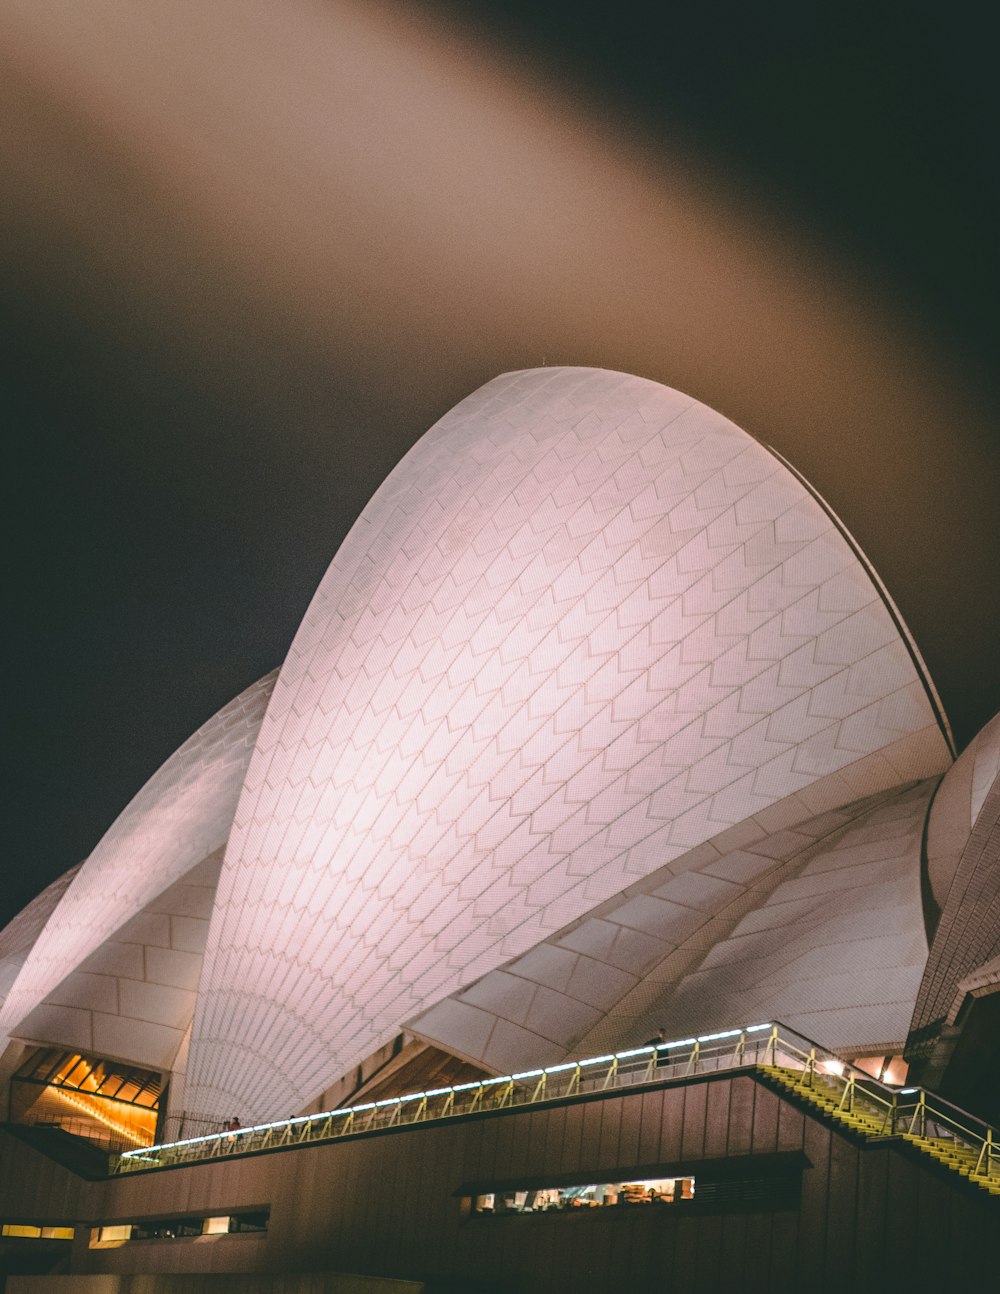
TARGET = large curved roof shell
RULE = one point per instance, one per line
(584, 626)
(18, 937)
(181, 816)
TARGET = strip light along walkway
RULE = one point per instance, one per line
(847, 1092)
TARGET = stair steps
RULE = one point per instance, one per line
(825, 1096)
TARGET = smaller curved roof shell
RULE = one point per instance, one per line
(182, 814)
(133, 998)
(963, 848)
(586, 625)
(18, 937)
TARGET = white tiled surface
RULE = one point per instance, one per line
(958, 804)
(836, 950)
(584, 626)
(182, 815)
(133, 998)
(18, 937)
(968, 934)
(629, 955)
(986, 767)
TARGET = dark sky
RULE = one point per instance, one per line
(249, 253)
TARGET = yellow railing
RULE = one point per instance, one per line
(942, 1130)
(907, 1112)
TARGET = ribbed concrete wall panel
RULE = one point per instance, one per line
(586, 625)
(836, 950)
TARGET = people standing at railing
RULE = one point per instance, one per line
(661, 1056)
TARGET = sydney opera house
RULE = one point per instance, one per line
(593, 893)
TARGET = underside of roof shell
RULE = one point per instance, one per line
(181, 816)
(586, 625)
(818, 924)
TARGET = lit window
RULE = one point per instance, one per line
(562, 1199)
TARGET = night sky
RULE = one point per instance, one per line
(249, 252)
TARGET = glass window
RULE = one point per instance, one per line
(561, 1199)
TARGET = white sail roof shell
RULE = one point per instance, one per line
(585, 625)
(182, 814)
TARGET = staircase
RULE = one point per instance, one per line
(869, 1116)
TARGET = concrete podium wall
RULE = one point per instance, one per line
(870, 1216)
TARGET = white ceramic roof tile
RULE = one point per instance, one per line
(522, 686)
(837, 949)
(18, 937)
(148, 983)
(182, 814)
(986, 769)
(631, 983)
(968, 933)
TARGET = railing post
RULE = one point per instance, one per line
(772, 1047)
(920, 1114)
(612, 1073)
(810, 1070)
(741, 1047)
(848, 1095)
(574, 1083)
(986, 1154)
(693, 1058)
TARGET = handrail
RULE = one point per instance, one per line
(727, 1049)
(924, 1116)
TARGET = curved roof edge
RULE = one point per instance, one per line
(919, 664)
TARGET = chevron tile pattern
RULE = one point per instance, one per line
(586, 625)
(606, 981)
(181, 816)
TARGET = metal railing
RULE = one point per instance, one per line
(106, 1139)
(890, 1111)
(908, 1112)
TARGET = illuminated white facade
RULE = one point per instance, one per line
(88, 980)
(585, 626)
(598, 722)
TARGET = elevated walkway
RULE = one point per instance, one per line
(775, 1055)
